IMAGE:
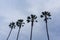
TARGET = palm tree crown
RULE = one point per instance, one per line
(12, 25)
(20, 23)
(46, 15)
(32, 18)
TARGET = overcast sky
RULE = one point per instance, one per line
(12, 10)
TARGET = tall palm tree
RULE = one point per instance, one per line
(11, 25)
(31, 19)
(19, 23)
(47, 16)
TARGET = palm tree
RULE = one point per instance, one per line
(11, 25)
(31, 19)
(47, 16)
(19, 23)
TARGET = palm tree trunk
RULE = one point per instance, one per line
(9, 34)
(31, 31)
(47, 31)
(18, 34)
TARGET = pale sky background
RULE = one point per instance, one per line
(12, 10)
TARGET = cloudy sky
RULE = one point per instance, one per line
(12, 10)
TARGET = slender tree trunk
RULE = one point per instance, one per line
(9, 34)
(18, 34)
(31, 31)
(47, 30)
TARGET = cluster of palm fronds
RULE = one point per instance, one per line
(31, 19)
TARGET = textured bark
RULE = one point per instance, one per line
(47, 31)
(9, 34)
(18, 33)
(31, 31)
